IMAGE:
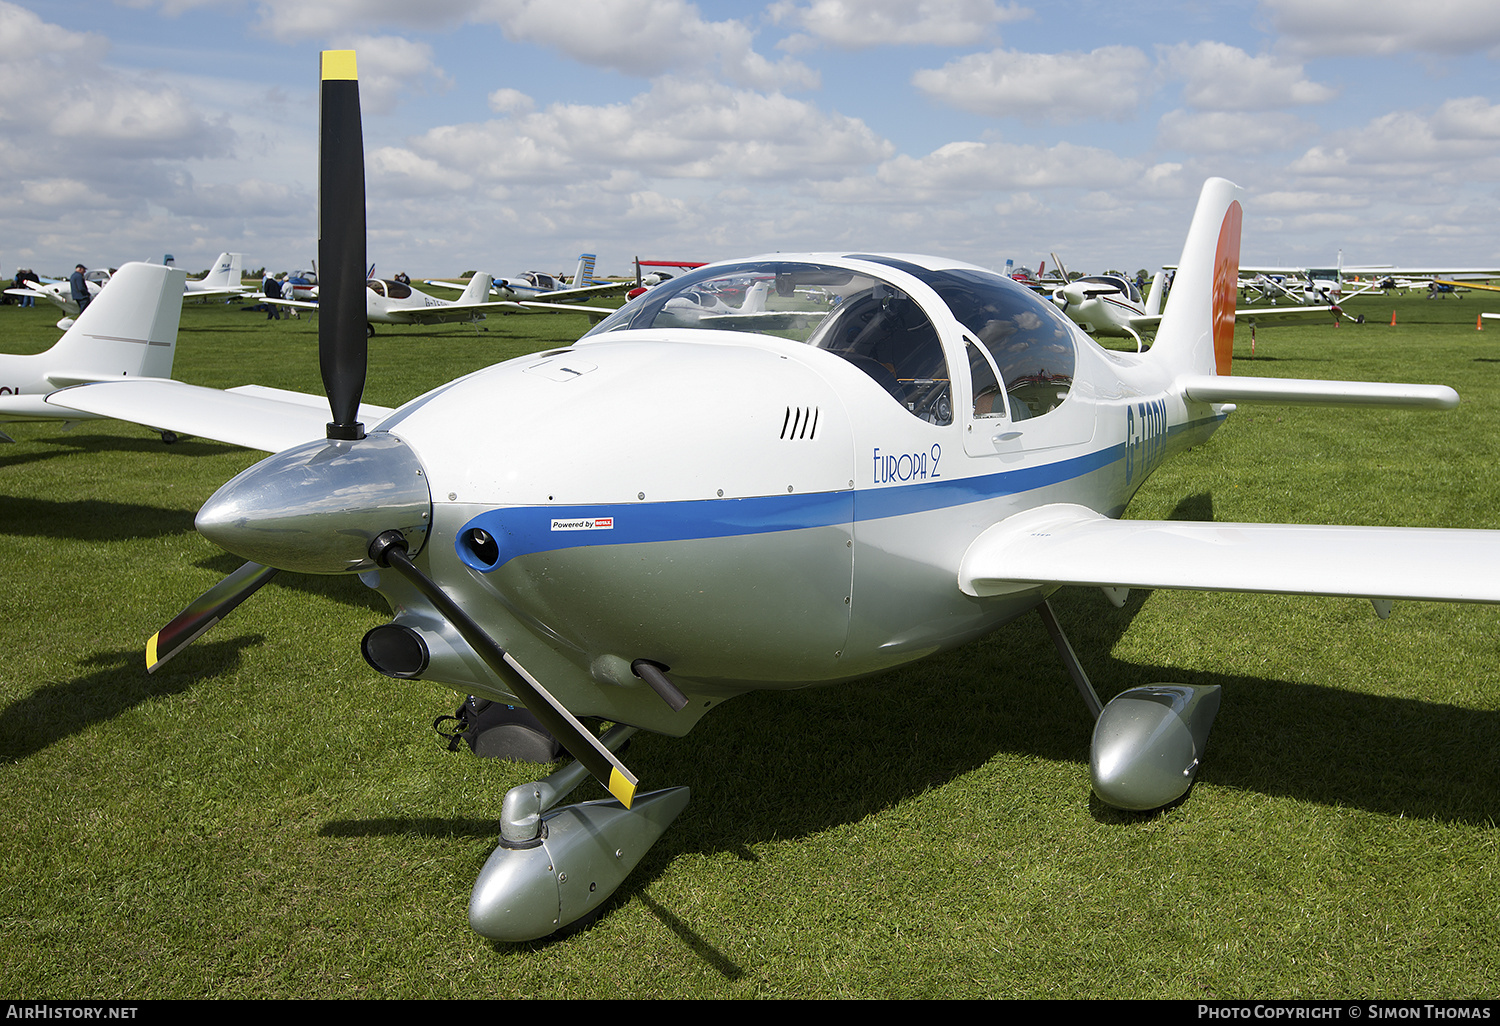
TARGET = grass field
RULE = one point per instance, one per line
(268, 817)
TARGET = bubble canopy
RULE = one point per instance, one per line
(870, 318)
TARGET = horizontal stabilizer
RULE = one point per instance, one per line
(269, 419)
(1222, 388)
(1068, 544)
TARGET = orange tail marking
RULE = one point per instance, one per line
(1226, 287)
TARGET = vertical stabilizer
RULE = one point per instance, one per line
(129, 330)
(584, 275)
(478, 290)
(226, 273)
(1153, 297)
(1197, 328)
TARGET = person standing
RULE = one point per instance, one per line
(272, 290)
(80, 287)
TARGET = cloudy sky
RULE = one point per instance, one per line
(503, 135)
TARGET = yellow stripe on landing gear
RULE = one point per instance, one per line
(151, 651)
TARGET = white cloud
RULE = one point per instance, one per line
(1374, 27)
(1220, 132)
(679, 129)
(391, 67)
(861, 24)
(1105, 84)
(966, 167)
(1471, 117)
(644, 38)
(1221, 77)
(1399, 144)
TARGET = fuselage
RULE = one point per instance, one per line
(395, 302)
(759, 511)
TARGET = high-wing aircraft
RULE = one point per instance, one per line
(1312, 286)
(129, 331)
(753, 510)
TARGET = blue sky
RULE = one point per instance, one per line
(504, 135)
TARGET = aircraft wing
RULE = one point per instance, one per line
(616, 288)
(594, 313)
(1238, 388)
(1251, 315)
(1284, 314)
(254, 416)
(578, 295)
(1068, 544)
(1468, 284)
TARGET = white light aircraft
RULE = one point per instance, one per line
(930, 460)
(128, 332)
(1311, 286)
(539, 292)
(225, 280)
(395, 302)
(1109, 305)
(60, 293)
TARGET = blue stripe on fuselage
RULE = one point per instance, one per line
(524, 530)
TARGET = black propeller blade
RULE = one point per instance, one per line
(343, 354)
(205, 611)
(343, 347)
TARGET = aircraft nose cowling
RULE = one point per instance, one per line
(316, 507)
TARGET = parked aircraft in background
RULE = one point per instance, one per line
(396, 302)
(1312, 286)
(538, 290)
(225, 280)
(650, 279)
(60, 293)
(1110, 306)
(129, 331)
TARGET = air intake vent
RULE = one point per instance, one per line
(800, 422)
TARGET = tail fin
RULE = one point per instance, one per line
(226, 272)
(478, 289)
(584, 275)
(1197, 328)
(1153, 298)
(129, 330)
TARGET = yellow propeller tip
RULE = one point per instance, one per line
(621, 787)
(339, 64)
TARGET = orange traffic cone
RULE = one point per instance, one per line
(1393, 318)
(1479, 323)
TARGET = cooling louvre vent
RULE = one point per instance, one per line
(800, 422)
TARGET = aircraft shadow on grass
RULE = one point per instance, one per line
(118, 684)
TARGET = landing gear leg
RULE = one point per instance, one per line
(1148, 741)
(553, 868)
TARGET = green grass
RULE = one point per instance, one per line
(269, 817)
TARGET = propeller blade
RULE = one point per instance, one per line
(343, 345)
(389, 550)
(205, 611)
